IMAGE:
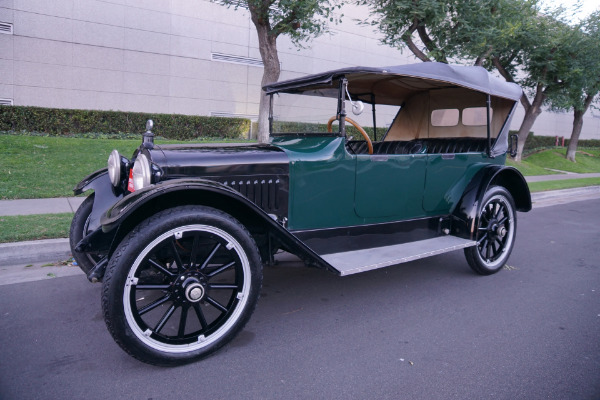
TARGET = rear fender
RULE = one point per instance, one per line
(467, 212)
(124, 215)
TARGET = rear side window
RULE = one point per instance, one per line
(475, 116)
(445, 117)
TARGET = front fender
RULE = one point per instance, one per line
(104, 197)
(467, 212)
(132, 209)
(87, 183)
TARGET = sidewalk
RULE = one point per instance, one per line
(40, 206)
(58, 249)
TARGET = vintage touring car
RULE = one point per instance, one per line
(178, 234)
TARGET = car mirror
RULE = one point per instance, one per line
(357, 107)
(512, 145)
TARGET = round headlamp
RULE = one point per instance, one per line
(114, 168)
(141, 172)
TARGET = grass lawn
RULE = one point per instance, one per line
(563, 184)
(42, 167)
(33, 227)
(529, 169)
(587, 160)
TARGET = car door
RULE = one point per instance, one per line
(389, 186)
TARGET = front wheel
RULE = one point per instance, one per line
(496, 231)
(182, 284)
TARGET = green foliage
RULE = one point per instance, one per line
(464, 30)
(583, 80)
(60, 122)
(300, 20)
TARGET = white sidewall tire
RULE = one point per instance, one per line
(474, 257)
(127, 258)
(223, 330)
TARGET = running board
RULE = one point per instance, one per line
(353, 262)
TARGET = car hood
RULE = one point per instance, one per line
(201, 160)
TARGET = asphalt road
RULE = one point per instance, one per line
(429, 329)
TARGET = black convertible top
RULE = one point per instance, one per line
(399, 79)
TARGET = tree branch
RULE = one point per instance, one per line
(429, 44)
(482, 57)
(506, 75)
(259, 12)
(280, 27)
(407, 38)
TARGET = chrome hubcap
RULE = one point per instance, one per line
(194, 292)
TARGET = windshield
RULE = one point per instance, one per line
(303, 114)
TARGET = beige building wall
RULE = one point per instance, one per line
(155, 55)
(170, 56)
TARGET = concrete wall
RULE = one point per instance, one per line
(154, 56)
(157, 56)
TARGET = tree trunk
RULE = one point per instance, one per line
(267, 45)
(577, 125)
(530, 116)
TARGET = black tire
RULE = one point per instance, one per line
(497, 227)
(181, 285)
(79, 227)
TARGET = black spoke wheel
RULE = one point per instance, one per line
(181, 285)
(496, 228)
(79, 229)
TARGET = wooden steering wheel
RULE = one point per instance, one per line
(357, 126)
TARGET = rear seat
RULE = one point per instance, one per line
(421, 146)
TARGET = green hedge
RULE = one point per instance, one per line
(56, 121)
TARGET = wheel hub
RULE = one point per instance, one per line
(501, 231)
(194, 292)
(191, 287)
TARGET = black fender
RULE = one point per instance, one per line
(128, 212)
(466, 214)
(104, 198)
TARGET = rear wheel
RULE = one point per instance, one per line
(496, 229)
(181, 285)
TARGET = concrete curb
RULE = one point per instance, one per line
(34, 251)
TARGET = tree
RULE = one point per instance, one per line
(581, 88)
(512, 36)
(300, 20)
(436, 30)
(535, 59)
